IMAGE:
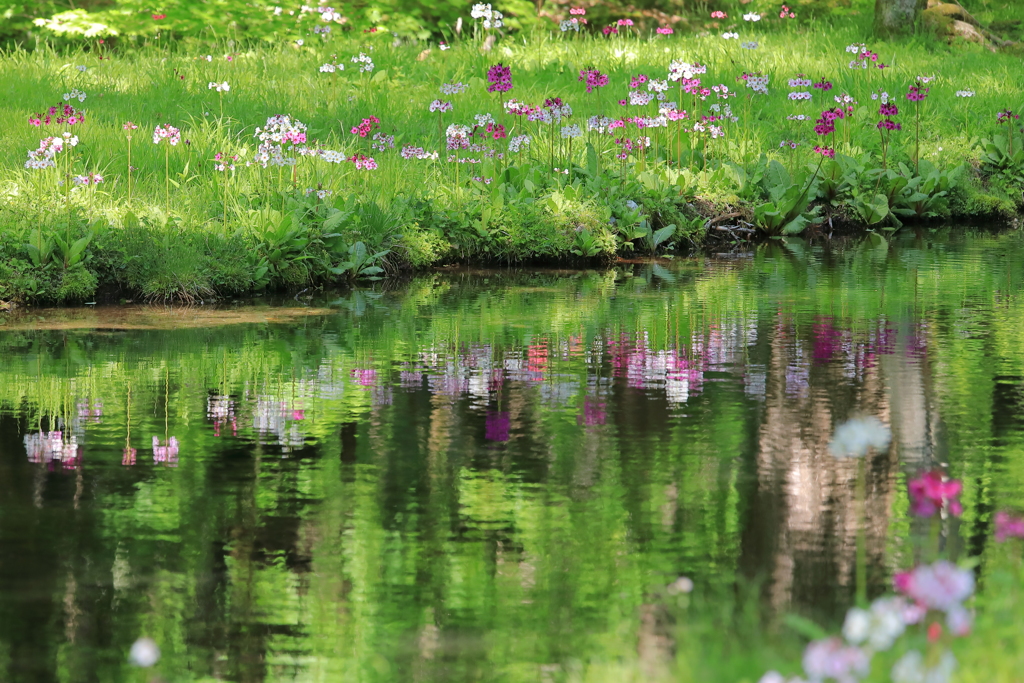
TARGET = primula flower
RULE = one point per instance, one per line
(1005, 116)
(916, 93)
(940, 586)
(827, 152)
(594, 79)
(786, 13)
(823, 85)
(879, 626)
(730, 36)
(439, 106)
(665, 30)
(931, 492)
(911, 668)
(567, 25)
(718, 14)
(751, 45)
(453, 88)
(518, 142)
(610, 30)
(1008, 527)
(965, 93)
(572, 131)
(219, 87)
(366, 126)
(752, 16)
(831, 658)
(166, 132)
(363, 163)
(500, 78)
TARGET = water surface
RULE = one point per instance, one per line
(483, 476)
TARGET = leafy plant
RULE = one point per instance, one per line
(361, 263)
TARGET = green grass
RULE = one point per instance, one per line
(233, 233)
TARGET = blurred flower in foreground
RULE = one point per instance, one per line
(931, 492)
(145, 653)
(1008, 527)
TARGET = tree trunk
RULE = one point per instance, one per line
(897, 16)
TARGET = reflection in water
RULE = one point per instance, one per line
(482, 476)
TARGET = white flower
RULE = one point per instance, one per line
(299, 42)
(480, 11)
(329, 68)
(879, 626)
(752, 45)
(752, 16)
(483, 119)
(219, 87)
(144, 653)
(572, 131)
(965, 93)
(444, 46)
(518, 142)
(566, 25)
(656, 85)
(730, 36)
(854, 437)
(911, 669)
(82, 67)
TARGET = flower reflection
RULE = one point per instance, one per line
(165, 452)
(593, 413)
(221, 410)
(277, 423)
(128, 456)
(53, 449)
(496, 426)
(90, 412)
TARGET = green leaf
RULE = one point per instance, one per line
(804, 626)
(592, 160)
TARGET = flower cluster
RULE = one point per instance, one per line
(1005, 116)
(61, 114)
(365, 62)
(166, 132)
(1008, 527)
(44, 156)
(410, 152)
(569, 25)
(518, 142)
(752, 16)
(223, 162)
(730, 35)
(453, 88)
(439, 106)
(664, 31)
(594, 79)
(363, 163)
(382, 142)
(822, 85)
(887, 111)
(492, 18)
(280, 130)
(719, 14)
(965, 93)
(917, 93)
(366, 126)
(500, 78)
(330, 68)
(786, 13)
(75, 94)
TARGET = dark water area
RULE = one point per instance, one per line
(485, 476)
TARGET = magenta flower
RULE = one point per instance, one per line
(625, 22)
(1008, 527)
(825, 151)
(578, 11)
(1002, 117)
(717, 14)
(823, 85)
(609, 30)
(365, 127)
(917, 93)
(594, 78)
(931, 492)
(500, 78)
(665, 30)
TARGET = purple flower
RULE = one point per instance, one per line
(500, 78)
(833, 659)
(940, 586)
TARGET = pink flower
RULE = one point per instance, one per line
(665, 30)
(833, 659)
(825, 151)
(625, 22)
(1008, 527)
(579, 11)
(298, 414)
(609, 30)
(940, 586)
(719, 15)
(930, 492)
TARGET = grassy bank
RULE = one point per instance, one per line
(349, 186)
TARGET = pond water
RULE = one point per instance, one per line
(481, 475)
